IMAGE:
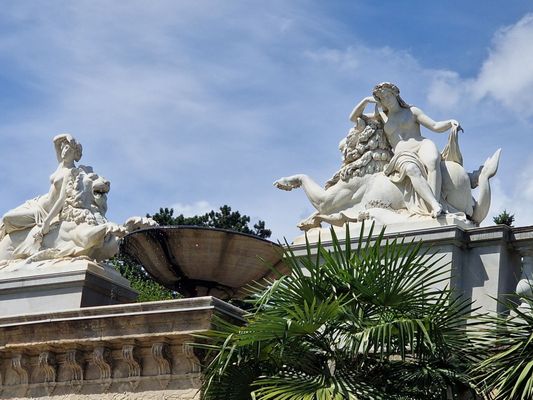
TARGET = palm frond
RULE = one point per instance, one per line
(350, 316)
(508, 372)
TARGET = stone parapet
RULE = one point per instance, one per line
(486, 263)
(134, 351)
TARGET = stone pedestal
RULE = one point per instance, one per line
(485, 262)
(54, 285)
(133, 351)
(324, 234)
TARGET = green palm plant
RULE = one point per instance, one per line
(367, 322)
(508, 372)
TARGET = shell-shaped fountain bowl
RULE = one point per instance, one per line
(198, 261)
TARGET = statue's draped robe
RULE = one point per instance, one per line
(396, 171)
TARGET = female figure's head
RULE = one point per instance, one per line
(387, 94)
(67, 148)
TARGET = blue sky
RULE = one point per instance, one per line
(195, 104)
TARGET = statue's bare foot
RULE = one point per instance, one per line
(309, 223)
(437, 211)
(350, 219)
(337, 219)
(362, 216)
(288, 183)
(491, 165)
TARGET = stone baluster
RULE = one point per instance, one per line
(101, 358)
(525, 285)
(130, 357)
(160, 354)
(193, 364)
(74, 362)
(18, 364)
(47, 366)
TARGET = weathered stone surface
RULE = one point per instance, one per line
(135, 351)
(177, 394)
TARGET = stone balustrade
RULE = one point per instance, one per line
(111, 352)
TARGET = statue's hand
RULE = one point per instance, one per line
(455, 125)
(38, 236)
(116, 229)
(43, 230)
(370, 99)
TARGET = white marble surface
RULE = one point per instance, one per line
(400, 227)
(391, 173)
(69, 221)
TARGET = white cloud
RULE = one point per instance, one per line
(505, 76)
(517, 201)
(221, 102)
(188, 210)
(445, 90)
(500, 200)
(507, 73)
(346, 60)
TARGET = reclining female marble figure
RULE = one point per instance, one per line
(68, 221)
(398, 184)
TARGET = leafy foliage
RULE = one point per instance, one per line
(363, 323)
(504, 218)
(508, 373)
(148, 289)
(224, 219)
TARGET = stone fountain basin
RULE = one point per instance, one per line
(198, 261)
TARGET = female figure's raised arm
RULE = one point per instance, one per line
(435, 126)
(359, 109)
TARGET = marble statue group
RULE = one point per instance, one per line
(392, 174)
(69, 221)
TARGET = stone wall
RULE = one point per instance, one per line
(486, 263)
(135, 351)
